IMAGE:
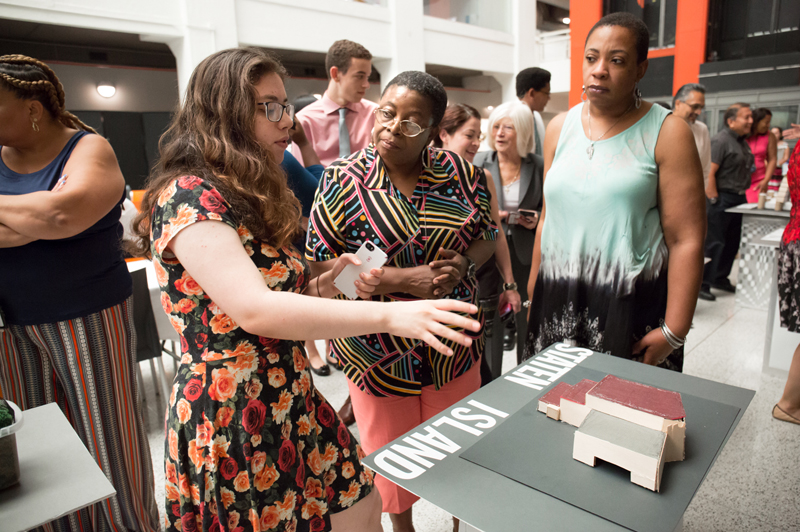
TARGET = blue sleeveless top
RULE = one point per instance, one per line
(47, 281)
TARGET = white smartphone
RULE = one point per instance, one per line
(371, 256)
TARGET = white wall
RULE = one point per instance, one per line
(138, 90)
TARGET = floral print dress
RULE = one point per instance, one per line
(789, 253)
(251, 445)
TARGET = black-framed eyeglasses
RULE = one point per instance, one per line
(386, 119)
(275, 110)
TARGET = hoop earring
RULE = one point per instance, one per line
(637, 96)
(34, 125)
(583, 94)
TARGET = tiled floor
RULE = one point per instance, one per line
(754, 485)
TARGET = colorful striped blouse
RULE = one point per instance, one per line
(356, 201)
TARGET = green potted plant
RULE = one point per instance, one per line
(10, 422)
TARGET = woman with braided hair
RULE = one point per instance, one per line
(65, 293)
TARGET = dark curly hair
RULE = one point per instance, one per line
(212, 136)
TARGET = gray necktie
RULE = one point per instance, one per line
(344, 134)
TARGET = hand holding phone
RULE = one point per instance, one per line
(371, 257)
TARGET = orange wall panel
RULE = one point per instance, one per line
(583, 15)
(690, 41)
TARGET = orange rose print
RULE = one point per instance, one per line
(253, 518)
(224, 416)
(173, 445)
(219, 449)
(166, 194)
(173, 394)
(313, 489)
(177, 323)
(278, 273)
(366, 476)
(183, 485)
(166, 304)
(223, 385)
(227, 497)
(161, 274)
(222, 324)
(330, 456)
(233, 517)
(196, 454)
(287, 506)
(163, 240)
(172, 492)
(347, 498)
(330, 476)
(184, 217)
(314, 461)
(273, 358)
(277, 377)
(205, 432)
(269, 251)
(187, 285)
(184, 410)
(258, 461)
(281, 408)
(348, 471)
(299, 359)
(242, 482)
(195, 493)
(243, 360)
(253, 389)
(314, 507)
(185, 306)
(270, 517)
(170, 474)
(303, 427)
(244, 234)
(265, 478)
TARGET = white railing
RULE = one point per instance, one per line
(553, 45)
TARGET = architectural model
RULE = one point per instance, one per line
(629, 424)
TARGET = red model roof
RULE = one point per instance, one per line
(553, 397)
(578, 392)
(661, 403)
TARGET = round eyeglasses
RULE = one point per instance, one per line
(386, 119)
(275, 110)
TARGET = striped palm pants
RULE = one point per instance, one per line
(87, 366)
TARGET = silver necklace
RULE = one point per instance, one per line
(590, 149)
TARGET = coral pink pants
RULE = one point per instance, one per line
(383, 419)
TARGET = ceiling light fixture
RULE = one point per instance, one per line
(106, 90)
(566, 20)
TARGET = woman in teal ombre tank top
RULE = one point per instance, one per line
(623, 207)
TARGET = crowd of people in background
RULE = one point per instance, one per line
(592, 231)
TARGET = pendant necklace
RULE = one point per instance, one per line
(590, 149)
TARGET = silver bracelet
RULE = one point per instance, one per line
(674, 341)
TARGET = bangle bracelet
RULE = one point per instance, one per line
(674, 341)
(319, 294)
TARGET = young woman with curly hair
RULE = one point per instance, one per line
(251, 444)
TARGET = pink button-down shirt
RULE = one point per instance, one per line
(320, 121)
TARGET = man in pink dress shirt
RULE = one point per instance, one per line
(340, 123)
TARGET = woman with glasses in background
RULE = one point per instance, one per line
(250, 442)
(517, 174)
(460, 132)
(427, 210)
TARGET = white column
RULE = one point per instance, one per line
(208, 26)
(406, 37)
(523, 28)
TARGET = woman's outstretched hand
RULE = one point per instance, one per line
(427, 320)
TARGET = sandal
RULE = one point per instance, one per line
(781, 414)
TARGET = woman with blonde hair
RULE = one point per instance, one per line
(251, 444)
(517, 175)
(65, 291)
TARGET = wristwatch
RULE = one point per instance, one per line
(471, 268)
(509, 286)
